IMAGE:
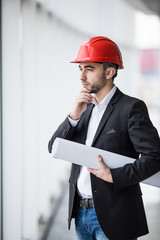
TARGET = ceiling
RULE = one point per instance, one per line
(146, 6)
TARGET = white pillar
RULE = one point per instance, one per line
(12, 113)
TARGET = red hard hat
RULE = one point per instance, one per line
(99, 49)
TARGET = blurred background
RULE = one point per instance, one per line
(38, 84)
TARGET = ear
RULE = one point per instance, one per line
(110, 72)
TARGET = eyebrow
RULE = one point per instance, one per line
(87, 66)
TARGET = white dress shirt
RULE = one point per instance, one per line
(84, 183)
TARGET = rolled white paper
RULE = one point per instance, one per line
(87, 156)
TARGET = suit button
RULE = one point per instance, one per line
(65, 131)
(73, 185)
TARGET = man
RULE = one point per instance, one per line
(107, 203)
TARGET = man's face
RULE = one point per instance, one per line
(92, 76)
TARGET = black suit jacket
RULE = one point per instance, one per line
(126, 129)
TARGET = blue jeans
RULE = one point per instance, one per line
(87, 225)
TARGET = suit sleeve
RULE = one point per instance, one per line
(65, 130)
(146, 142)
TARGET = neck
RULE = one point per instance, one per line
(103, 92)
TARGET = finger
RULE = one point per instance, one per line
(86, 95)
(84, 98)
(100, 159)
(91, 170)
(84, 90)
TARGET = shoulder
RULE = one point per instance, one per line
(129, 100)
(130, 104)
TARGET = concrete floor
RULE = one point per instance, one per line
(59, 229)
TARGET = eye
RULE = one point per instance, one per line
(89, 69)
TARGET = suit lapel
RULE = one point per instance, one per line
(103, 121)
(88, 114)
(107, 113)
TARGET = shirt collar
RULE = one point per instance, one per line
(106, 99)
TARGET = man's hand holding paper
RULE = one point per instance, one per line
(103, 171)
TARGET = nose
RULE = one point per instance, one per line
(83, 76)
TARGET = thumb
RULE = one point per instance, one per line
(100, 159)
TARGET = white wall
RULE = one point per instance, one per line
(39, 87)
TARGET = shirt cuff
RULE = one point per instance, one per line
(73, 122)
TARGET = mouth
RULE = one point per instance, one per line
(84, 84)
